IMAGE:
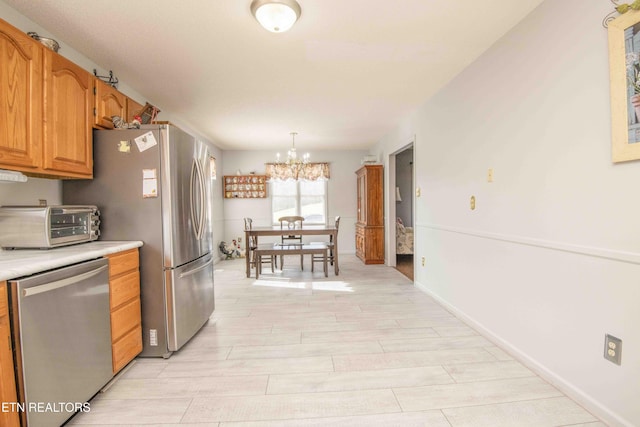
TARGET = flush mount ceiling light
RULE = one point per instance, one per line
(276, 16)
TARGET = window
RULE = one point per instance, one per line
(303, 198)
(212, 166)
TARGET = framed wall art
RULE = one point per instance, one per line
(624, 63)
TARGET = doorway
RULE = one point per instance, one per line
(403, 222)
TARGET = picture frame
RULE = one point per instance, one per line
(624, 63)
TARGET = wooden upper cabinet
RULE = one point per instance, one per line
(68, 117)
(109, 102)
(20, 100)
(133, 108)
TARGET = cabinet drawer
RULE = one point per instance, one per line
(124, 288)
(124, 319)
(126, 348)
(123, 262)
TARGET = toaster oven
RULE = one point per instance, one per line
(47, 227)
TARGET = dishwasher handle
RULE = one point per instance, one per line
(62, 283)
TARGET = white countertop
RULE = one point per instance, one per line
(24, 262)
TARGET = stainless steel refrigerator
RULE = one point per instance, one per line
(153, 184)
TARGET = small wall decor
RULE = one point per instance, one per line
(245, 186)
(212, 167)
(624, 63)
(149, 114)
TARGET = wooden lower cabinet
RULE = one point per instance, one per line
(360, 241)
(124, 301)
(370, 244)
(8, 393)
(126, 348)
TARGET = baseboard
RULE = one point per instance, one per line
(589, 403)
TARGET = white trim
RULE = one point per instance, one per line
(622, 256)
(592, 405)
(390, 196)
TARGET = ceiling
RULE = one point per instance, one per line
(342, 77)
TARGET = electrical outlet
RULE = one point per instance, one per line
(422, 261)
(418, 192)
(472, 203)
(613, 349)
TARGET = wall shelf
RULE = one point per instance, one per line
(245, 186)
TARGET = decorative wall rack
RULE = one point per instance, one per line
(110, 80)
(245, 186)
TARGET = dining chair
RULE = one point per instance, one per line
(291, 223)
(331, 245)
(252, 243)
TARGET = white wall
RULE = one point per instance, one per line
(341, 192)
(549, 262)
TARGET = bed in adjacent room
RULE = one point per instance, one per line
(404, 238)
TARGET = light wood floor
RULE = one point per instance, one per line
(365, 348)
(404, 264)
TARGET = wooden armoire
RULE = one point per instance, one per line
(370, 216)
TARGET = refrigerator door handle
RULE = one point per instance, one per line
(195, 222)
(195, 270)
(203, 196)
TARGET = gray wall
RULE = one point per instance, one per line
(549, 261)
(404, 181)
(51, 189)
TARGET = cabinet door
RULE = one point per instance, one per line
(362, 198)
(109, 102)
(20, 100)
(68, 117)
(133, 108)
(7, 378)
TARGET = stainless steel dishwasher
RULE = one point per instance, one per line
(62, 335)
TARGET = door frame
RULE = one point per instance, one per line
(391, 191)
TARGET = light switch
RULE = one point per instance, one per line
(490, 175)
(472, 203)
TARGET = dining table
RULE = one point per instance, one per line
(304, 230)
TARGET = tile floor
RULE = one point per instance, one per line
(365, 348)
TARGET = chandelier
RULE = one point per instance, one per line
(295, 163)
